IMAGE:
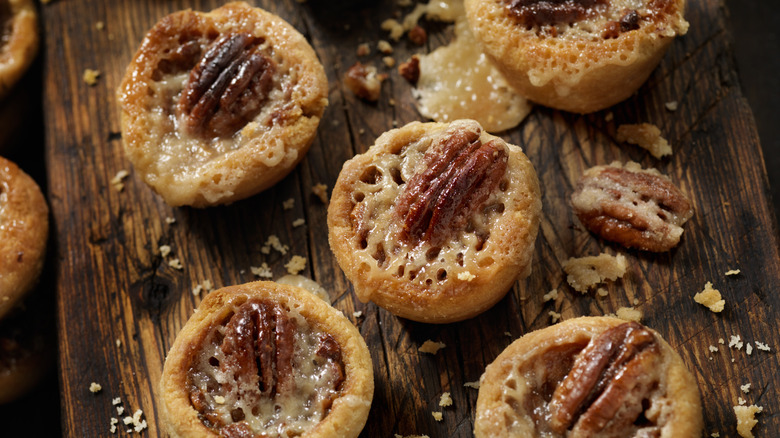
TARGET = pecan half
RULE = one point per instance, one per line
(227, 87)
(460, 174)
(605, 389)
(543, 12)
(634, 207)
(257, 361)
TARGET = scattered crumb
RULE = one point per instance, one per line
(363, 49)
(263, 271)
(721, 341)
(197, 290)
(710, 298)
(671, 106)
(114, 422)
(394, 27)
(116, 401)
(170, 220)
(555, 316)
(431, 347)
(745, 388)
(95, 387)
(296, 264)
(586, 272)
(175, 264)
(99, 25)
(120, 410)
(507, 334)
(552, 295)
(466, 276)
(274, 242)
(646, 136)
(137, 422)
(735, 341)
(629, 314)
(321, 191)
(298, 222)
(762, 346)
(364, 81)
(288, 204)
(635, 301)
(418, 35)
(733, 272)
(746, 419)
(388, 61)
(118, 178)
(749, 349)
(165, 250)
(91, 76)
(445, 400)
(219, 399)
(609, 117)
(741, 401)
(715, 435)
(384, 47)
(713, 349)
(357, 314)
(437, 416)
(602, 292)
(118, 343)
(474, 385)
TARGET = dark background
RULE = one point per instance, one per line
(754, 28)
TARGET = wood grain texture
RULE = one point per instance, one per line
(113, 284)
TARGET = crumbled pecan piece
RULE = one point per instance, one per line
(604, 391)
(364, 81)
(418, 35)
(227, 87)
(631, 206)
(460, 174)
(410, 70)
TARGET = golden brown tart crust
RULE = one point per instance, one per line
(435, 221)
(589, 57)
(589, 376)
(24, 229)
(19, 21)
(221, 105)
(264, 359)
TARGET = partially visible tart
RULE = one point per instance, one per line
(24, 230)
(436, 221)
(221, 105)
(19, 42)
(576, 55)
(589, 377)
(266, 360)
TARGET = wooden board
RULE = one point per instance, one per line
(112, 283)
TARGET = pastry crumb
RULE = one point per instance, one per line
(552, 295)
(466, 276)
(715, 435)
(672, 105)
(219, 399)
(363, 49)
(733, 272)
(118, 343)
(99, 25)
(296, 264)
(721, 341)
(118, 180)
(170, 220)
(114, 422)
(602, 292)
(586, 272)
(445, 400)
(165, 250)
(431, 347)
(357, 314)
(175, 264)
(321, 191)
(645, 135)
(197, 290)
(713, 349)
(298, 222)
(555, 316)
(473, 385)
(288, 204)
(384, 47)
(749, 349)
(745, 388)
(91, 76)
(629, 314)
(262, 271)
(394, 27)
(274, 242)
(735, 341)
(746, 419)
(762, 346)
(437, 416)
(95, 387)
(388, 61)
(120, 410)
(710, 298)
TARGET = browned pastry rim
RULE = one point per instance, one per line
(221, 105)
(20, 41)
(524, 388)
(346, 415)
(464, 261)
(584, 62)
(24, 229)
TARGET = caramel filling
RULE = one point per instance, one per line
(534, 13)
(264, 371)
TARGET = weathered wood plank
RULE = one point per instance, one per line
(112, 282)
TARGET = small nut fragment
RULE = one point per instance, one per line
(364, 81)
(603, 392)
(410, 70)
(418, 35)
(632, 206)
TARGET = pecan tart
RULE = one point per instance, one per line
(221, 105)
(266, 360)
(24, 229)
(638, 208)
(435, 221)
(589, 377)
(19, 22)
(576, 55)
